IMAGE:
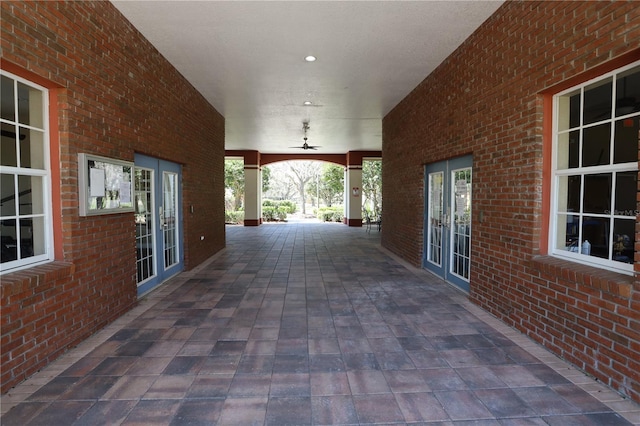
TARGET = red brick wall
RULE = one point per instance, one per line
(487, 100)
(117, 96)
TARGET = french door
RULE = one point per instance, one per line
(447, 246)
(158, 221)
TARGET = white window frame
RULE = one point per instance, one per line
(44, 173)
(561, 252)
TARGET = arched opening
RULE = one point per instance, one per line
(314, 190)
(300, 189)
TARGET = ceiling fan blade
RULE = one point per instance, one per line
(306, 147)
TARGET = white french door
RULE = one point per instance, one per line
(158, 221)
(447, 247)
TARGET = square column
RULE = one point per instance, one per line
(353, 195)
(252, 195)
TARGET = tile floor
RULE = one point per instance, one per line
(309, 323)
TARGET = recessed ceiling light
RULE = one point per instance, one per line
(310, 58)
(308, 102)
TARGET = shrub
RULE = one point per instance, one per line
(281, 213)
(234, 217)
(268, 213)
(277, 209)
(289, 206)
(330, 214)
(272, 213)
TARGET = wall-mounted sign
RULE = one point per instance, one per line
(104, 185)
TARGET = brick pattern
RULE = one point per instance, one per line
(116, 95)
(43, 296)
(487, 99)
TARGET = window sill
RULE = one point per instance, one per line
(18, 282)
(600, 279)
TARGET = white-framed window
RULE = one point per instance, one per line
(25, 177)
(595, 170)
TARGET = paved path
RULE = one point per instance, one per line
(309, 323)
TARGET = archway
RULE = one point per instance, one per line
(352, 161)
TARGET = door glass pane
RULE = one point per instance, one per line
(461, 229)
(434, 238)
(169, 220)
(144, 224)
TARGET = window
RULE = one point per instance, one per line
(595, 170)
(25, 212)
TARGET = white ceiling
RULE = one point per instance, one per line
(247, 60)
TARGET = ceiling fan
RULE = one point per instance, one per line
(305, 145)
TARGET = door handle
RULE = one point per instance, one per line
(447, 218)
(161, 216)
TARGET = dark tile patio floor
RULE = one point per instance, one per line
(309, 323)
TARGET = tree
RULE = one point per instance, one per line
(372, 186)
(301, 173)
(329, 185)
(234, 181)
(266, 179)
(281, 186)
(332, 189)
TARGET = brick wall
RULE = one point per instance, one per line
(487, 100)
(116, 95)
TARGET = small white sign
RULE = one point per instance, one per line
(461, 197)
(125, 192)
(97, 183)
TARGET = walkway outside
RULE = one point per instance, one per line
(310, 324)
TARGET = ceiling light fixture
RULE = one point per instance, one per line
(310, 58)
(308, 103)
